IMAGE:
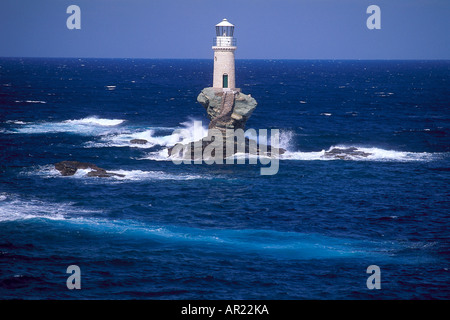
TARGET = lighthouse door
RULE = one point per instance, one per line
(225, 81)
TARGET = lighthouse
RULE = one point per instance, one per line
(224, 46)
(228, 108)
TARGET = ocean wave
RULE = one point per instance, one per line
(288, 244)
(160, 155)
(357, 153)
(346, 153)
(112, 134)
(281, 244)
(85, 126)
(15, 122)
(96, 121)
(30, 101)
(126, 140)
(188, 131)
(13, 208)
(286, 141)
(139, 175)
(49, 171)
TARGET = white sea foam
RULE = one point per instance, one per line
(85, 126)
(286, 137)
(357, 153)
(160, 155)
(30, 101)
(267, 242)
(286, 244)
(96, 121)
(124, 140)
(16, 209)
(81, 173)
(298, 155)
(139, 175)
(13, 208)
(370, 154)
(384, 94)
(16, 122)
(49, 171)
(187, 132)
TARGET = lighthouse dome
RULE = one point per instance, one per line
(224, 29)
(224, 23)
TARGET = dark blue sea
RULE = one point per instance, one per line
(224, 231)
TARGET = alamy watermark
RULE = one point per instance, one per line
(74, 280)
(374, 281)
(374, 20)
(228, 146)
(74, 20)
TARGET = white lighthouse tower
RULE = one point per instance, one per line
(224, 46)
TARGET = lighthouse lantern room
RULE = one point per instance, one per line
(224, 46)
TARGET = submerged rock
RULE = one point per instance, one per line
(69, 168)
(138, 141)
(196, 150)
(346, 153)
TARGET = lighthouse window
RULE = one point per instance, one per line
(225, 80)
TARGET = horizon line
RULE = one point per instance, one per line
(262, 59)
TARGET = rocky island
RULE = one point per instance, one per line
(226, 110)
(69, 168)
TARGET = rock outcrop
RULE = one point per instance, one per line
(346, 153)
(69, 168)
(138, 141)
(196, 150)
(226, 109)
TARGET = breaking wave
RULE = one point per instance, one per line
(281, 244)
(268, 242)
(96, 121)
(49, 171)
(112, 134)
(13, 208)
(357, 153)
(30, 101)
(139, 175)
(153, 136)
(85, 126)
